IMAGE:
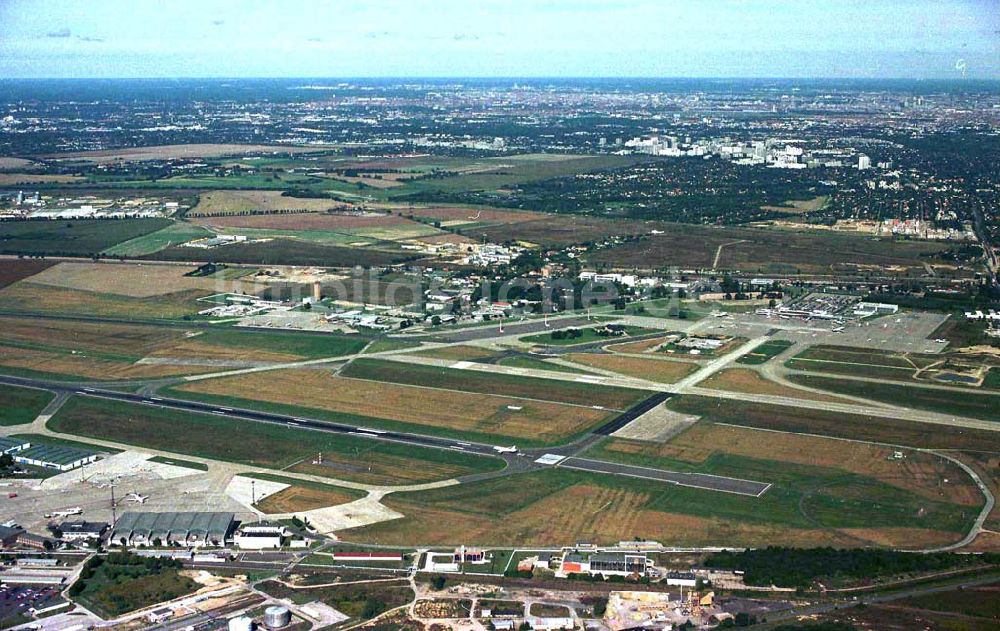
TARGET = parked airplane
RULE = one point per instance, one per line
(505, 450)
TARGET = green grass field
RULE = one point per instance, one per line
(765, 352)
(174, 234)
(836, 424)
(487, 383)
(21, 405)
(255, 444)
(177, 462)
(303, 345)
(972, 404)
(75, 237)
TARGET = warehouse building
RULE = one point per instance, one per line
(12, 445)
(182, 529)
(604, 563)
(54, 457)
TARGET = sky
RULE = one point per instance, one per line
(925, 39)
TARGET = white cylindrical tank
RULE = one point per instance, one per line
(242, 623)
(277, 616)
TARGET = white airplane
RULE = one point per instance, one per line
(837, 329)
(135, 498)
(505, 450)
(69, 512)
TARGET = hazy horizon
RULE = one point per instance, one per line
(767, 39)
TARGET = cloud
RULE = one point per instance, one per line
(458, 37)
(218, 22)
(63, 32)
(314, 39)
(374, 35)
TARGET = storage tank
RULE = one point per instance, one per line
(242, 623)
(277, 616)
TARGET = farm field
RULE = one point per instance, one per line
(514, 386)
(17, 179)
(972, 404)
(511, 171)
(661, 370)
(751, 382)
(834, 424)
(170, 152)
(557, 505)
(135, 281)
(110, 351)
(451, 412)
(78, 237)
(262, 445)
(21, 405)
(218, 204)
(12, 271)
(765, 251)
(286, 251)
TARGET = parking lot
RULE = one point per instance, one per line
(19, 602)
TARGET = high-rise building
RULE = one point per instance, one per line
(864, 162)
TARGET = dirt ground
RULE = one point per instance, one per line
(12, 271)
(439, 408)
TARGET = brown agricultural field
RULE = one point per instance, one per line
(661, 370)
(467, 215)
(12, 164)
(438, 408)
(173, 152)
(304, 221)
(15, 179)
(233, 202)
(134, 280)
(14, 270)
(751, 382)
(296, 499)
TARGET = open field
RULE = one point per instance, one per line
(303, 221)
(18, 179)
(175, 152)
(751, 382)
(262, 445)
(21, 405)
(562, 230)
(972, 404)
(225, 202)
(12, 271)
(807, 506)
(474, 381)
(458, 353)
(78, 237)
(764, 352)
(458, 412)
(174, 234)
(836, 424)
(764, 250)
(459, 216)
(702, 445)
(302, 496)
(286, 251)
(135, 281)
(111, 351)
(8, 163)
(537, 363)
(661, 370)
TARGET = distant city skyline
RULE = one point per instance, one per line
(494, 38)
